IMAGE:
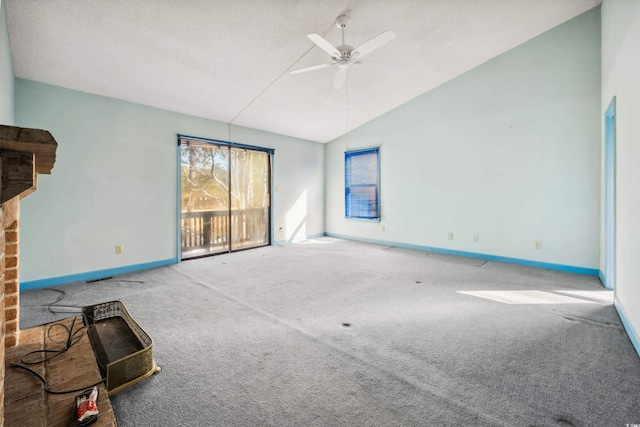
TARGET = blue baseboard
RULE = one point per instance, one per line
(603, 279)
(93, 275)
(550, 266)
(631, 332)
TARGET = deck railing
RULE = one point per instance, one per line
(208, 231)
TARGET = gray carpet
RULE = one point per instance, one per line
(339, 333)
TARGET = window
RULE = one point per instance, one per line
(361, 184)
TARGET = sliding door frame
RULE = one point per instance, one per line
(230, 145)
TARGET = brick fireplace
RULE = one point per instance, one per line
(24, 153)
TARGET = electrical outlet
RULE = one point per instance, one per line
(382, 228)
(119, 249)
(538, 244)
(475, 238)
(450, 236)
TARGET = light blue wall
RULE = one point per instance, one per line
(508, 151)
(115, 181)
(6, 72)
(620, 71)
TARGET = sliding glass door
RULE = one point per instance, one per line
(224, 196)
(249, 198)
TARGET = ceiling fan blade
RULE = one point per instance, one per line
(312, 68)
(324, 45)
(373, 44)
(341, 77)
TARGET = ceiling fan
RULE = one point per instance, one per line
(344, 56)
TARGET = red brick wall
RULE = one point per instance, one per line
(9, 285)
(2, 321)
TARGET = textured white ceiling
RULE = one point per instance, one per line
(228, 60)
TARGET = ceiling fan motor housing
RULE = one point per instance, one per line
(345, 53)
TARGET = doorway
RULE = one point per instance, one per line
(610, 194)
(224, 197)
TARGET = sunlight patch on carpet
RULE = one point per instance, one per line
(324, 242)
(527, 297)
(600, 296)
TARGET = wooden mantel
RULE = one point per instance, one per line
(24, 153)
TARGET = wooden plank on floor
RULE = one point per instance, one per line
(26, 403)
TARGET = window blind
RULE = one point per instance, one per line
(361, 177)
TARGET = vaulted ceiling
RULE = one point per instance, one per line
(229, 60)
